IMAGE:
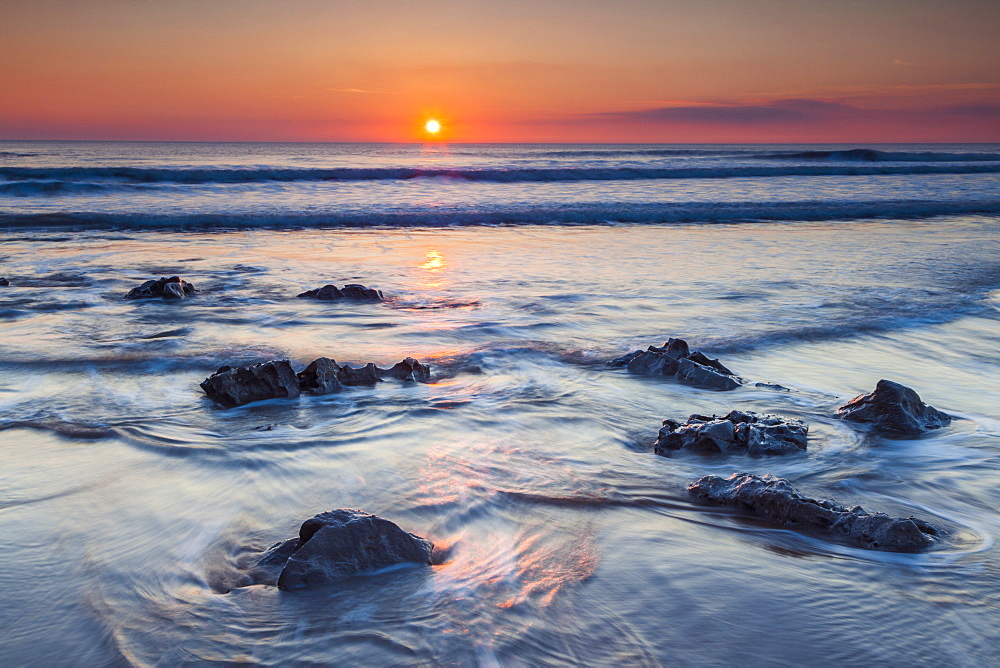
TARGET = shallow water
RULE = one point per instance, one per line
(130, 503)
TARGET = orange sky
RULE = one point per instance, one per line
(650, 71)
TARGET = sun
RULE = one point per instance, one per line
(432, 126)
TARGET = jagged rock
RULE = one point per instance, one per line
(369, 374)
(894, 408)
(339, 543)
(352, 291)
(409, 369)
(776, 499)
(322, 376)
(4, 282)
(705, 377)
(167, 288)
(737, 432)
(242, 385)
(674, 358)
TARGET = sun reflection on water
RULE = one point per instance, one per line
(435, 261)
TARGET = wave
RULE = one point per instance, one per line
(17, 176)
(580, 214)
(871, 155)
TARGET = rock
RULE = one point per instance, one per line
(369, 374)
(675, 358)
(267, 380)
(322, 376)
(705, 377)
(409, 369)
(776, 499)
(4, 282)
(352, 291)
(737, 432)
(167, 288)
(343, 542)
(893, 408)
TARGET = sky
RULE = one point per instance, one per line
(502, 71)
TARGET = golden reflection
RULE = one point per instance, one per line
(435, 261)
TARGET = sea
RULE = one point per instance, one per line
(131, 505)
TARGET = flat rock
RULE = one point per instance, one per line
(777, 500)
(351, 291)
(894, 408)
(242, 385)
(675, 359)
(340, 543)
(738, 432)
(166, 288)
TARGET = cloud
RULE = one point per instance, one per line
(793, 111)
(361, 90)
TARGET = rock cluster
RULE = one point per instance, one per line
(777, 500)
(339, 543)
(352, 291)
(894, 408)
(741, 432)
(674, 358)
(167, 288)
(276, 379)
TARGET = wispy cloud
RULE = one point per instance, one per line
(362, 90)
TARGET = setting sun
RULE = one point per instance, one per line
(433, 126)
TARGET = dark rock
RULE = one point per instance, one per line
(776, 499)
(652, 363)
(705, 377)
(353, 291)
(167, 288)
(626, 358)
(675, 358)
(893, 408)
(340, 543)
(737, 432)
(369, 374)
(268, 380)
(4, 282)
(360, 293)
(322, 376)
(409, 369)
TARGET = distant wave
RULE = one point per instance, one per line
(123, 175)
(580, 214)
(871, 155)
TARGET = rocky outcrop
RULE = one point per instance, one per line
(893, 408)
(352, 291)
(340, 543)
(242, 385)
(674, 358)
(777, 500)
(322, 376)
(738, 432)
(166, 288)
(276, 379)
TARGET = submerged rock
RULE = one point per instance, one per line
(894, 408)
(674, 358)
(776, 499)
(741, 432)
(242, 385)
(4, 282)
(167, 288)
(343, 542)
(351, 291)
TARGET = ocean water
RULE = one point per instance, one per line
(130, 504)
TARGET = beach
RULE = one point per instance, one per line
(131, 504)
